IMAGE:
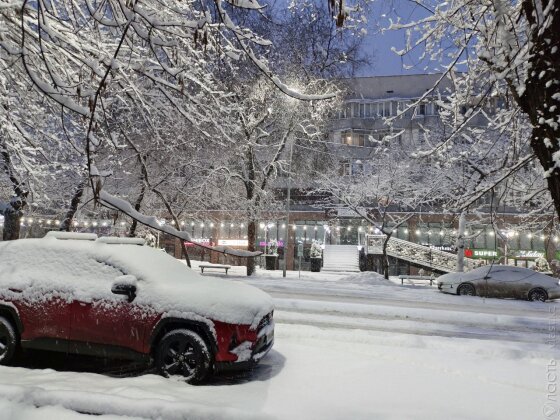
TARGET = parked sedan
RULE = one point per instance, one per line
(501, 281)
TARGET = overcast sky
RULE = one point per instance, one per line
(379, 43)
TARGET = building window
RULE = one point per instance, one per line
(346, 169)
(346, 138)
(357, 168)
(361, 140)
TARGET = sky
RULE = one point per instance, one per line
(379, 42)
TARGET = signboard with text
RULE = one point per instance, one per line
(233, 242)
(527, 253)
(280, 244)
(481, 253)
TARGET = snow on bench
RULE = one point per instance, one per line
(410, 277)
(217, 266)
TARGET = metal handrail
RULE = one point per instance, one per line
(419, 254)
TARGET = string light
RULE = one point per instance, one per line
(511, 233)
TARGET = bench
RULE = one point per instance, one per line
(423, 278)
(216, 266)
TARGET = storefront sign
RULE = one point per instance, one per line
(527, 253)
(233, 242)
(280, 244)
(481, 253)
(446, 248)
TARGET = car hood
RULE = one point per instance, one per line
(220, 300)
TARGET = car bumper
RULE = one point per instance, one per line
(264, 343)
(446, 288)
(255, 358)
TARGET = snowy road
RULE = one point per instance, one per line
(347, 347)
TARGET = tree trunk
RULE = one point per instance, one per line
(76, 198)
(540, 100)
(251, 239)
(546, 157)
(385, 261)
(137, 205)
(185, 253)
(460, 244)
(14, 210)
(12, 218)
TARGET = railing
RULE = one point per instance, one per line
(417, 254)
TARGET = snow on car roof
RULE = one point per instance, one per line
(79, 269)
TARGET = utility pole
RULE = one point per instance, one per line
(287, 241)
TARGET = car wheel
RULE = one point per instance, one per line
(466, 290)
(538, 295)
(185, 354)
(8, 341)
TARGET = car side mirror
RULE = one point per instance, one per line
(125, 285)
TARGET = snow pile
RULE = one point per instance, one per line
(39, 269)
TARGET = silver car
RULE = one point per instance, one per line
(501, 281)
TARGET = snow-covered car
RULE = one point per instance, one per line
(115, 298)
(501, 281)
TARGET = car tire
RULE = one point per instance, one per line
(8, 341)
(183, 353)
(537, 295)
(466, 289)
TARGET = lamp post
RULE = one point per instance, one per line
(287, 242)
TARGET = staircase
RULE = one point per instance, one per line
(341, 258)
(417, 254)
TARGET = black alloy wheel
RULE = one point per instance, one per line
(8, 341)
(183, 353)
(538, 295)
(466, 290)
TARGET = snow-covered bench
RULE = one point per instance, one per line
(410, 277)
(216, 266)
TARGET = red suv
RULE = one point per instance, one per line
(114, 298)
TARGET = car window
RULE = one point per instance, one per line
(52, 268)
(509, 273)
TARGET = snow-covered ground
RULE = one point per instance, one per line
(347, 347)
